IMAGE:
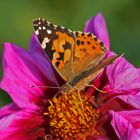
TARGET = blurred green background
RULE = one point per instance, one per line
(122, 17)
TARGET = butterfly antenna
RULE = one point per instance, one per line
(102, 91)
(36, 86)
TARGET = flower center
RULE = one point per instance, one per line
(71, 116)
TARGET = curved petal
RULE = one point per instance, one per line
(123, 127)
(8, 109)
(121, 102)
(133, 117)
(138, 70)
(21, 126)
(133, 100)
(122, 76)
(97, 26)
(20, 71)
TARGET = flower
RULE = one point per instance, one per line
(35, 113)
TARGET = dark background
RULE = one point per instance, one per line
(122, 17)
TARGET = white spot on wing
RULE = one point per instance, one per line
(44, 28)
(62, 27)
(35, 24)
(49, 31)
(55, 25)
(69, 30)
(39, 28)
(48, 22)
(37, 32)
(43, 45)
(46, 40)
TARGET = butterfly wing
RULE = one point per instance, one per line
(82, 80)
(88, 52)
(58, 43)
(76, 56)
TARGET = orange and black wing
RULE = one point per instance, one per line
(58, 43)
(88, 61)
(88, 52)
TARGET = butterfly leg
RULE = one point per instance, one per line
(97, 96)
(101, 91)
(59, 91)
(64, 89)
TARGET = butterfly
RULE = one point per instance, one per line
(77, 56)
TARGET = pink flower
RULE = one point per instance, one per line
(25, 118)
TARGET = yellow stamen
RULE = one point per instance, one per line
(72, 116)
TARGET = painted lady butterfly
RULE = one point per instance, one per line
(76, 56)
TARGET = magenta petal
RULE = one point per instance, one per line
(97, 26)
(8, 109)
(121, 102)
(123, 127)
(133, 100)
(123, 76)
(35, 46)
(21, 126)
(20, 71)
(138, 70)
(133, 117)
(44, 64)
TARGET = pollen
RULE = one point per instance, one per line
(72, 116)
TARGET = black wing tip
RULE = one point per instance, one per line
(38, 19)
(38, 22)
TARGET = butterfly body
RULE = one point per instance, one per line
(76, 56)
